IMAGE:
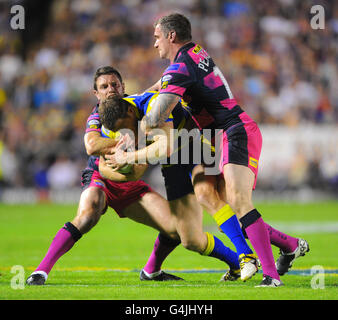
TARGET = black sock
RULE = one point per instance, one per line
(76, 234)
(168, 241)
(250, 218)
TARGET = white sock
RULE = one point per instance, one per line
(44, 274)
(152, 275)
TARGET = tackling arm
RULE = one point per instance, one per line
(161, 147)
(160, 111)
(97, 145)
(108, 173)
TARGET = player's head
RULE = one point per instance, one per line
(116, 114)
(172, 28)
(108, 83)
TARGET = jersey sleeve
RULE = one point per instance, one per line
(176, 79)
(93, 122)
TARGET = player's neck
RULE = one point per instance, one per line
(175, 48)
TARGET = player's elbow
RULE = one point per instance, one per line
(91, 147)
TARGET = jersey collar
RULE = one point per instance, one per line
(187, 46)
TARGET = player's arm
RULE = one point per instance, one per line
(157, 116)
(108, 173)
(97, 145)
(155, 87)
(160, 148)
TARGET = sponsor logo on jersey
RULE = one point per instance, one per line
(99, 182)
(91, 122)
(253, 162)
(167, 77)
(164, 85)
(197, 49)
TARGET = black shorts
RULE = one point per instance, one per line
(177, 180)
(177, 176)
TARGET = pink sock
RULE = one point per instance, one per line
(160, 252)
(282, 240)
(62, 243)
(260, 240)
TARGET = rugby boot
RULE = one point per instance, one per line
(162, 276)
(249, 264)
(269, 282)
(36, 279)
(231, 275)
(285, 260)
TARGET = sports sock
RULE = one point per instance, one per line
(162, 248)
(279, 239)
(62, 243)
(217, 249)
(260, 240)
(227, 221)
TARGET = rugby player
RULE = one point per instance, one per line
(124, 113)
(194, 77)
(93, 203)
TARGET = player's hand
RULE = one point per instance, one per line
(116, 160)
(126, 143)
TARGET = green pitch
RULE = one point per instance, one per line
(105, 263)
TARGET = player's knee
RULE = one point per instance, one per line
(191, 244)
(86, 220)
(206, 197)
(238, 201)
(88, 215)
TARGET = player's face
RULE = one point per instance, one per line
(161, 42)
(108, 85)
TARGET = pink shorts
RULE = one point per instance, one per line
(119, 195)
(241, 144)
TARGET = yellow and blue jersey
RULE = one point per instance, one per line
(144, 102)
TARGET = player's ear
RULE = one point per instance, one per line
(131, 110)
(96, 94)
(172, 36)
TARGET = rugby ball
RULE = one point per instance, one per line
(126, 169)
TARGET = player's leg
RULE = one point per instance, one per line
(153, 210)
(189, 217)
(183, 204)
(91, 205)
(209, 191)
(290, 248)
(239, 181)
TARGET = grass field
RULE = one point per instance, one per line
(105, 263)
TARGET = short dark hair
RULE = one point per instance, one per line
(106, 70)
(177, 22)
(112, 109)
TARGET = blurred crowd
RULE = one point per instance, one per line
(281, 71)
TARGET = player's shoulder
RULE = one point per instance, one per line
(194, 54)
(141, 98)
(94, 114)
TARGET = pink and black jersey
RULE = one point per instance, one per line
(93, 124)
(199, 82)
